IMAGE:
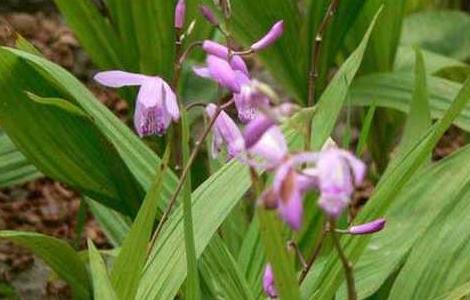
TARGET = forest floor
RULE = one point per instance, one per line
(49, 207)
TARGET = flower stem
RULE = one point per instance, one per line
(315, 254)
(347, 265)
(315, 60)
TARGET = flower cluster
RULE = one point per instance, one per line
(331, 172)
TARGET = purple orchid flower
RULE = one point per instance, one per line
(220, 71)
(249, 100)
(273, 35)
(216, 49)
(268, 282)
(180, 12)
(337, 172)
(225, 131)
(367, 228)
(156, 104)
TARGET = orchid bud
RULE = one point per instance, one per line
(180, 12)
(208, 15)
(368, 228)
(268, 282)
(273, 35)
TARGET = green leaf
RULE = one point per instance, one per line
(63, 142)
(114, 225)
(364, 134)
(458, 293)
(332, 99)
(412, 212)
(192, 282)
(395, 90)
(102, 287)
(54, 80)
(419, 116)
(93, 31)
(127, 267)
(405, 61)
(14, 167)
(154, 31)
(222, 274)
(440, 32)
(446, 241)
(276, 254)
(383, 44)
(58, 255)
(395, 178)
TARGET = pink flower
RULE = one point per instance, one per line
(156, 104)
(225, 131)
(337, 172)
(180, 12)
(268, 282)
(273, 35)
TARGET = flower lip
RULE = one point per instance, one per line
(273, 35)
(367, 228)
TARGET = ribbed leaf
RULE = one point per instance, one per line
(405, 61)
(419, 116)
(412, 212)
(442, 32)
(62, 141)
(221, 273)
(102, 287)
(93, 31)
(395, 90)
(14, 167)
(447, 242)
(127, 267)
(330, 278)
(58, 255)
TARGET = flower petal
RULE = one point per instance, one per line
(291, 211)
(223, 73)
(202, 72)
(171, 103)
(221, 51)
(268, 282)
(358, 167)
(271, 147)
(118, 79)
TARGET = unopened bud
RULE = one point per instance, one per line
(273, 35)
(206, 12)
(368, 228)
(180, 12)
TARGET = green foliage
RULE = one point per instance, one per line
(59, 255)
(102, 287)
(14, 167)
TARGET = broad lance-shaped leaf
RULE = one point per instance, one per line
(127, 267)
(447, 242)
(439, 31)
(332, 99)
(419, 116)
(221, 273)
(395, 90)
(63, 142)
(94, 32)
(413, 211)
(14, 167)
(58, 255)
(102, 287)
(53, 80)
(326, 285)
